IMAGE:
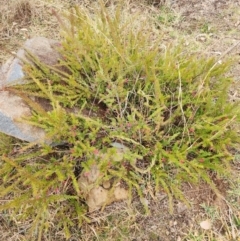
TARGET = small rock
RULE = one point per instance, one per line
(106, 184)
(100, 193)
(154, 227)
(181, 207)
(12, 108)
(206, 224)
(11, 72)
(44, 49)
(201, 38)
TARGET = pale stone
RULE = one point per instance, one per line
(12, 107)
(206, 224)
(98, 192)
(44, 49)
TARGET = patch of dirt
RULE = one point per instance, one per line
(160, 224)
(215, 27)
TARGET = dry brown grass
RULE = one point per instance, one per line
(23, 19)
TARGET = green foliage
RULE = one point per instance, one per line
(6, 144)
(169, 107)
(166, 16)
(206, 28)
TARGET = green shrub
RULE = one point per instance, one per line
(114, 84)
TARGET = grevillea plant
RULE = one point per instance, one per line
(115, 84)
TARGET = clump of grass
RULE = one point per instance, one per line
(16, 14)
(114, 84)
(6, 144)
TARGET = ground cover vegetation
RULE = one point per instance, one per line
(117, 82)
